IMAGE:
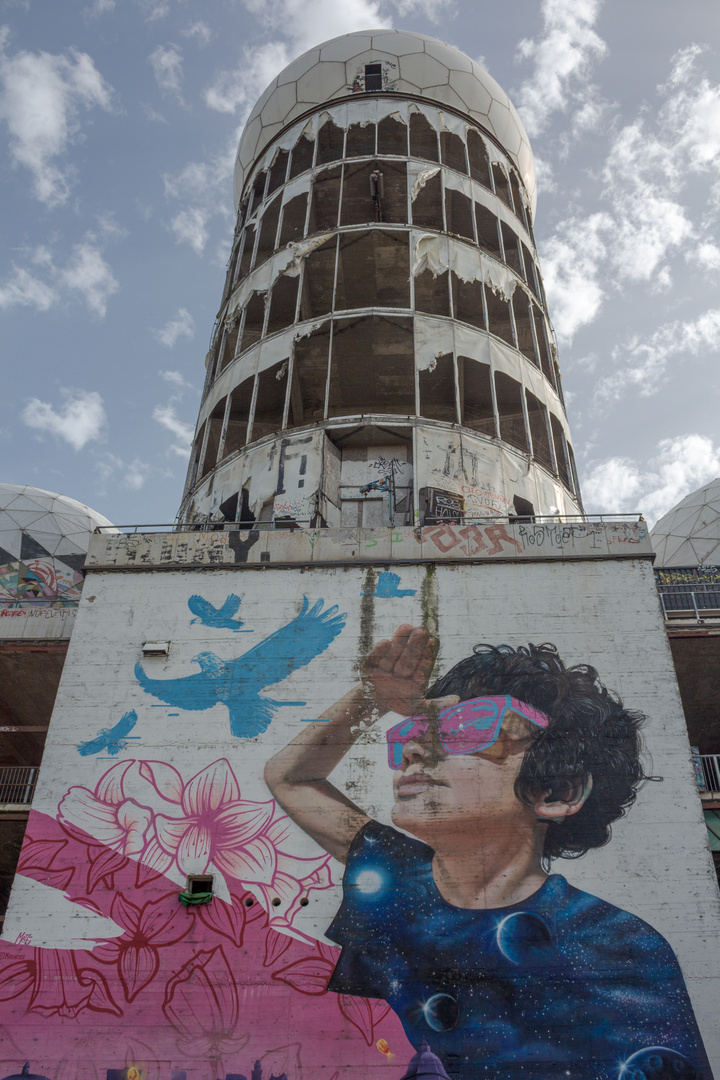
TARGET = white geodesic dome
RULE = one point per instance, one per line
(420, 65)
(689, 534)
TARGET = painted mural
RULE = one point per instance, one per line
(367, 820)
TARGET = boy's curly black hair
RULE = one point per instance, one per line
(590, 734)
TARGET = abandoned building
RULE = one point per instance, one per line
(252, 838)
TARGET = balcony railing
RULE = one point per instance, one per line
(710, 770)
(17, 783)
(692, 600)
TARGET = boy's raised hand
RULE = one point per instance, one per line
(396, 672)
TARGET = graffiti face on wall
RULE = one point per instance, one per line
(382, 856)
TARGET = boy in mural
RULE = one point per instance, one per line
(507, 762)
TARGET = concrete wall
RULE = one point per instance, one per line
(154, 772)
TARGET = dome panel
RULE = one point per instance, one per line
(343, 48)
(398, 42)
(297, 68)
(452, 58)
(324, 78)
(466, 85)
(422, 69)
(690, 532)
(279, 104)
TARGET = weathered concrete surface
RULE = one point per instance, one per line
(448, 543)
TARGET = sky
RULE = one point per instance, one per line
(120, 120)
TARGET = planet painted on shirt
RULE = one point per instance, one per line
(524, 938)
(441, 1012)
(658, 1063)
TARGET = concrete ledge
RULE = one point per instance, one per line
(432, 543)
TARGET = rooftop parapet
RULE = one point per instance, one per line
(149, 548)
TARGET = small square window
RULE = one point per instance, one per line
(199, 883)
(373, 77)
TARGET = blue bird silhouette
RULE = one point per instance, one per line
(112, 739)
(237, 683)
(387, 586)
(221, 617)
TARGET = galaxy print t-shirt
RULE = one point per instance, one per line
(562, 985)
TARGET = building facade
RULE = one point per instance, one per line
(364, 757)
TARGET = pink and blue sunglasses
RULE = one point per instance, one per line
(465, 728)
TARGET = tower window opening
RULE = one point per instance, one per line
(458, 214)
(508, 394)
(254, 319)
(309, 380)
(530, 270)
(360, 140)
(468, 301)
(247, 253)
(524, 511)
(238, 417)
(487, 227)
(268, 231)
(258, 190)
(477, 155)
(283, 302)
(270, 400)
(452, 150)
(214, 422)
(301, 158)
(423, 138)
(542, 341)
(573, 470)
(278, 171)
(517, 197)
(427, 207)
(197, 451)
(372, 368)
(325, 201)
(523, 325)
(437, 390)
(229, 344)
(392, 136)
(330, 142)
(373, 77)
(358, 207)
(293, 220)
(512, 249)
(431, 293)
(560, 445)
(476, 403)
(373, 270)
(502, 188)
(318, 276)
(539, 431)
(498, 313)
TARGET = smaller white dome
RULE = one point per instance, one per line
(689, 534)
(44, 538)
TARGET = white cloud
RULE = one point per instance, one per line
(643, 363)
(167, 69)
(190, 227)
(40, 99)
(79, 421)
(571, 260)
(22, 289)
(563, 57)
(88, 273)
(131, 475)
(181, 326)
(101, 7)
(176, 379)
(679, 466)
(168, 418)
(199, 31)
(706, 255)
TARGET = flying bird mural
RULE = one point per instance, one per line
(113, 739)
(237, 683)
(388, 586)
(221, 618)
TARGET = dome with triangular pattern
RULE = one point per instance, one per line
(689, 534)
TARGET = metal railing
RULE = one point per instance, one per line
(490, 519)
(17, 783)
(711, 771)
(693, 599)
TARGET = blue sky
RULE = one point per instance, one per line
(120, 120)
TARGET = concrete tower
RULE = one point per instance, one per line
(383, 317)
